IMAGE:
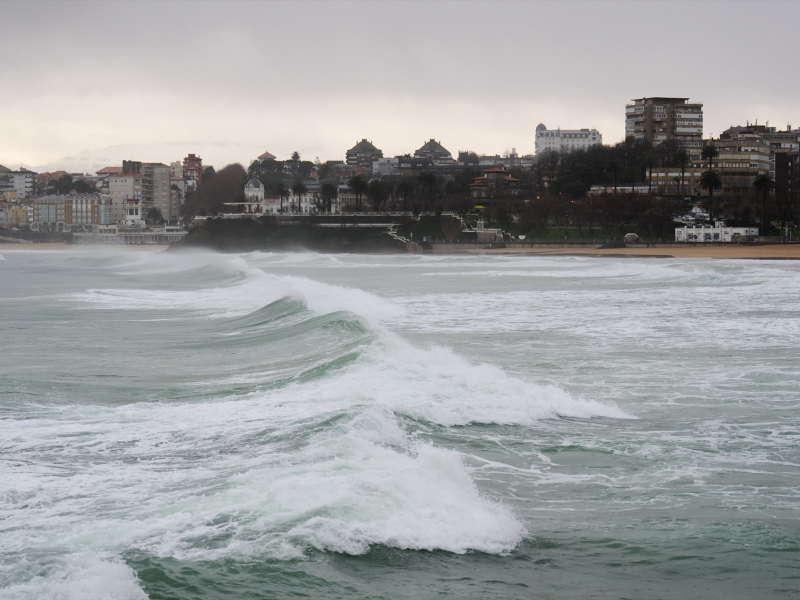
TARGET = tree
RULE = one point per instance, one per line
(428, 180)
(764, 184)
(378, 192)
(208, 173)
(405, 188)
(154, 215)
(328, 191)
(709, 153)
(281, 192)
(650, 163)
(298, 189)
(575, 190)
(614, 166)
(358, 186)
(211, 195)
(295, 161)
(710, 180)
(682, 159)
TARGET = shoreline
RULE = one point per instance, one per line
(12, 247)
(765, 252)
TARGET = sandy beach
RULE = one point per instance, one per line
(772, 251)
(11, 247)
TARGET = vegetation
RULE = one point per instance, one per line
(154, 216)
(65, 184)
(209, 197)
(236, 235)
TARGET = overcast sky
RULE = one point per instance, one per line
(232, 79)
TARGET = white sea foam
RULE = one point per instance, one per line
(81, 576)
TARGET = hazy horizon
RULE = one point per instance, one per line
(94, 81)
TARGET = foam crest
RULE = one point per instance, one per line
(257, 290)
(438, 386)
(78, 577)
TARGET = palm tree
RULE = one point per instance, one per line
(154, 215)
(377, 190)
(709, 153)
(710, 180)
(328, 191)
(298, 189)
(682, 158)
(405, 188)
(649, 163)
(358, 186)
(281, 192)
(428, 180)
(764, 184)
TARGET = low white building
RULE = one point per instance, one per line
(254, 190)
(719, 232)
(386, 166)
(565, 140)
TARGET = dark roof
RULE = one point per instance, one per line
(255, 183)
(432, 147)
(363, 146)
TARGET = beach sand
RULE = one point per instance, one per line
(772, 251)
(11, 247)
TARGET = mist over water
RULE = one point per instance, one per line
(195, 426)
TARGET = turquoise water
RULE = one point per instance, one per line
(198, 426)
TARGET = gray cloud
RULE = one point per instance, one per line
(316, 76)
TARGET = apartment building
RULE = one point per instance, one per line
(741, 159)
(176, 169)
(23, 182)
(363, 154)
(565, 140)
(58, 212)
(156, 188)
(659, 120)
(671, 182)
(192, 172)
(433, 150)
(123, 187)
(17, 216)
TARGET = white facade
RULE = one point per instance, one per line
(23, 183)
(176, 169)
(565, 140)
(386, 166)
(717, 233)
(254, 190)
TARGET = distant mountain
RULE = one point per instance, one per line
(217, 154)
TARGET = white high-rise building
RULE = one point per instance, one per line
(565, 140)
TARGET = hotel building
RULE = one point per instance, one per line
(565, 140)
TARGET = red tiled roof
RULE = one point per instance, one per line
(109, 170)
(267, 156)
(495, 170)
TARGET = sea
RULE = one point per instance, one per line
(197, 426)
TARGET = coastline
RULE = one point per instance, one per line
(12, 247)
(766, 252)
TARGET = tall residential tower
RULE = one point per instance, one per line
(659, 120)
